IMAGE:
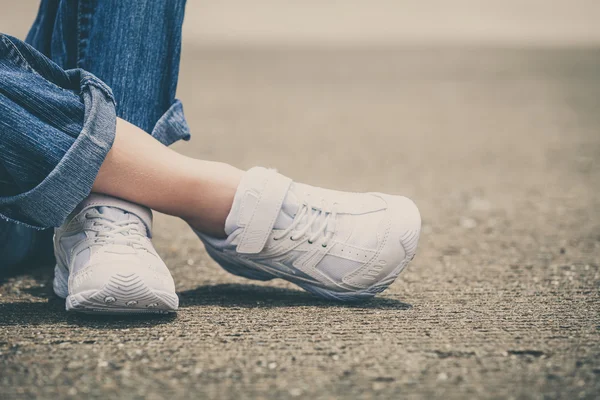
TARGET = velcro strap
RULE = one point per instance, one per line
(264, 213)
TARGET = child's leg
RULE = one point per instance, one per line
(54, 142)
(140, 169)
(105, 39)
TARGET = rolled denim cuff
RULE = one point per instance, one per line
(49, 203)
(172, 126)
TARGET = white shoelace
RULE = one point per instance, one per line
(126, 232)
(311, 215)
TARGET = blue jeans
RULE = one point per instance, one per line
(85, 63)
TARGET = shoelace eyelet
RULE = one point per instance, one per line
(324, 245)
(309, 242)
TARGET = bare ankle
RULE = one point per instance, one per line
(213, 195)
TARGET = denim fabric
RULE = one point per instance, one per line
(133, 46)
(56, 118)
(57, 127)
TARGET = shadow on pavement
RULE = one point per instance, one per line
(254, 296)
(53, 312)
(226, 295)
(41, 272)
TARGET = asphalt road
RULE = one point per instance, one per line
(499, 148)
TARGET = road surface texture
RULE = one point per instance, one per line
(500, 150)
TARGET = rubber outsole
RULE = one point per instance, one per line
(409, 242)
(121, 294)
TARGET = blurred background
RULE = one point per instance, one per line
(485, 112)
(352, 22)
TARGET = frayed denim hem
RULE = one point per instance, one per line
(50, 203)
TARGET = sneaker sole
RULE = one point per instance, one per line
(409, 242)
(122, 294)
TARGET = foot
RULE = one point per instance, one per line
(337, 245)
(106, 262)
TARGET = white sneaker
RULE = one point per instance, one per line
(337, 245)
(106, 262)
